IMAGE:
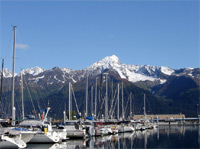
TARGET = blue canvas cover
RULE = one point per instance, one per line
(90, 118)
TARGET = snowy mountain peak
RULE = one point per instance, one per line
(7, 73)
(133, 73)
(106, 63)
(33, 71)
(111, 59)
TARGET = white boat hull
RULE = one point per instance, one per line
(123, 129)
(26, 137)
(101, 131)
(45, 138)
(14, 142)
(76, 134)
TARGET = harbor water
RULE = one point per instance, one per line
(162, 137)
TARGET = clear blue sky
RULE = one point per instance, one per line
(75, 34)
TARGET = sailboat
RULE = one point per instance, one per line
(8, 137)
(145, 123)
(73, 128)
(142, 125)
(124, 126)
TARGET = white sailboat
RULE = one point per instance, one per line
(124, 126)
(73, 128)
(8, 137)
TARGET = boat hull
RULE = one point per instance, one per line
(75, 134)
(45, 138)
(14, 142)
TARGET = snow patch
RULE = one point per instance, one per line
(190, 74)
(58, 79)
(166, 70)
(37, 79)
(162, 81)
(134, 77)
(66, 70)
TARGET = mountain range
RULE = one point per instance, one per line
(176, 90)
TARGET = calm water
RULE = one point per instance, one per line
(163, 137)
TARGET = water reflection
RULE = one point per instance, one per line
(199, 136)
(69, 144)
(163, 137)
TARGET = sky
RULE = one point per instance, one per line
(76, 34)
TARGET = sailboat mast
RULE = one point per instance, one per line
(106, 99)
(144, 107)
(95, 107)
(112, 90)
(13, 79)
(133, 105)
(1, 91)
(122, 102)
(22, 92)
(92, 101)
(130, 105)
(86, 100)
(118, 102)
(69, 101)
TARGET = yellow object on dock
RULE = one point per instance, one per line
(45, 130)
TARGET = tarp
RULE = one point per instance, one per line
(43, 110)
(90, 118)
(20, 129)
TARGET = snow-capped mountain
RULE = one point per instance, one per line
(133, 73)
(52, 84)
(7, 73)
(33, 71)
